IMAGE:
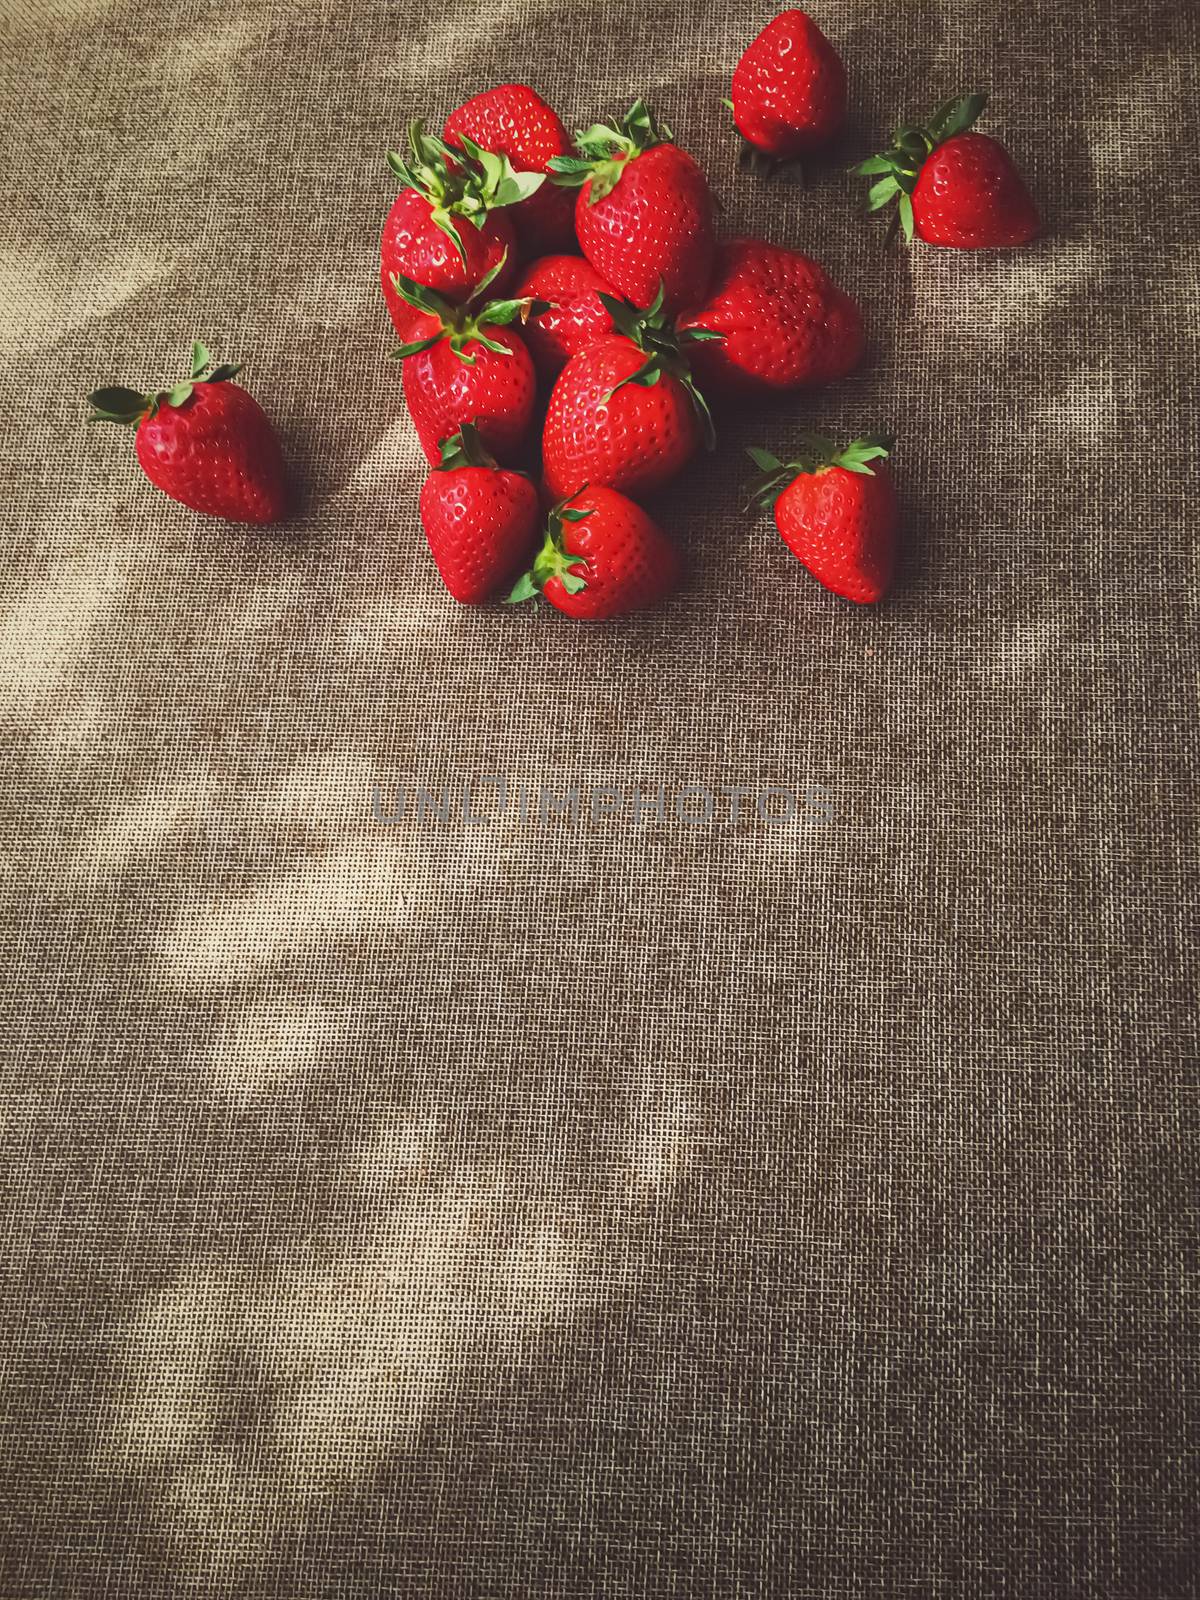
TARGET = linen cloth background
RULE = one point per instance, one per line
(613, 1209)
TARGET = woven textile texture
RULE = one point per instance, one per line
(618, 1206)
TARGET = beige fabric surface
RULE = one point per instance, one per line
(613, 1208)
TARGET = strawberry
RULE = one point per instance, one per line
(447, 229)
(602, 557)
(625, 412)
(953, 187)
(644, 215)
(575, 315)
(835, 512)
(455, 372)
(205, 442)
(481, 521)
(786, 325)
(513, 121)
(789, 90)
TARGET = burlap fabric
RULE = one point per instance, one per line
(618, 1206)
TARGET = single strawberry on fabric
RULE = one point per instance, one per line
(205, 442)
(644, 216)
(511, 120)
(602, 557)
(788, 91)
(784, 323)
(625, 412)
(480, 520)
(574, 316)
(953, 187)
(467, 364)
(448, 227)
(835, 512)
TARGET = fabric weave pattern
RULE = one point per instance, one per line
(609, 1207)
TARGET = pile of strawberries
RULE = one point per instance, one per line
(576, 293)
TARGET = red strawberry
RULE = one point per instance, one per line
(786, 324)
(789, 89)
(481, 521)
(624, 412)
(206, 442)
(644, 214)
(446, 229)
(575, 314)
(465, 364)
(513, 121)
(953, 187)
(836, 513)
(603, 557)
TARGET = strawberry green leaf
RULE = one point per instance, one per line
(763, 491)
(881, 193)
(708, 428)
(493, 165)
(422, 298)
(859, 453)
(180, 394)
(571, 583)
(570, 172)
(116, 400)
(442, 219)
(124, 406)
(605, 179)
(625, 316)
(874, 164)
(515, 186)
(524, 589)
(489, 277)
(502, 312)
(223, 373)
(641, 125)
(763, 459)
(761, 165)
(201, 360)
(645, 377)
(600, 140)
(956, 117)
(818, 448)
(476, 337)
(463, 449)
(414, 348)
(907, 221)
